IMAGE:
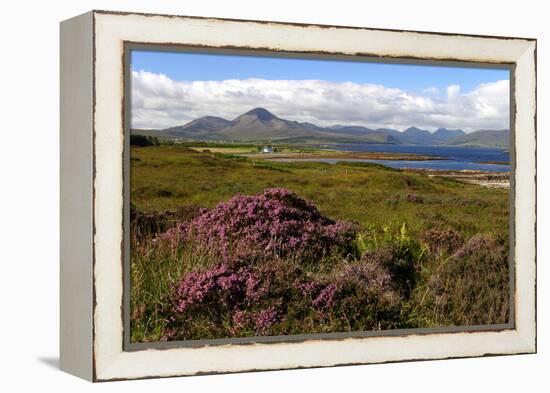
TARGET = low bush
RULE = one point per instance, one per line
(279, 298)
(440, 241)
(274, 224)
(471, 287)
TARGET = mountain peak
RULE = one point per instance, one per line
(260, 125)
(443, 135)
(261, 113)
(416, 130)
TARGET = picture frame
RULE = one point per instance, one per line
(94, 321)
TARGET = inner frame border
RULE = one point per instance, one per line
(129, 46)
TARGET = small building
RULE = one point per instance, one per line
(267, 149)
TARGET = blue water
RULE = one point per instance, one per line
(453, 158)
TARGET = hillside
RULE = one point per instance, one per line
(201, 127)
(489, 138)
(260, 125)
(442, 135)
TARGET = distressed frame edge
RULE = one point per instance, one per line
(526, 289)
(528, 340)
(76, 196)
(304, 24)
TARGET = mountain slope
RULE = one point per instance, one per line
(442, 135)
(489, 138)
(416, 136)
(201, 127)
(351, 130)
(260, 125)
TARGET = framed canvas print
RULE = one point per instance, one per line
(248, 195)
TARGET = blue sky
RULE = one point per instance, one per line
(173, 88)
(183, 66)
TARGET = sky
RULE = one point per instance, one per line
(173, 88)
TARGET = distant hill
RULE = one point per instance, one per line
(260, 125)
(352, 130)
(201, 127)
(489, 138)
(442, 135)
(416, 136)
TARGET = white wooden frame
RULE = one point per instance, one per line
(92, 145)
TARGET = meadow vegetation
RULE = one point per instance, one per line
(228, 246)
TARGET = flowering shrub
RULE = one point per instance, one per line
(367, 297)
(259, 322)
(361, 294)
(233, 298)
(222, 285)
(400, 263)
(261, 282)
(274, 224)
(272, 264)
(280, 296)
(375, 278)
(275, 298)
(325, 297)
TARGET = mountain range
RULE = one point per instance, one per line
(260, 125)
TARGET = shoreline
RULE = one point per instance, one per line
(489, 179)
(480, 178)
(341, 155)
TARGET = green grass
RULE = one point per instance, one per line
(168, 177)
(384, 202)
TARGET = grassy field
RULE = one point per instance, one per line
(453, 237)
(169, 177)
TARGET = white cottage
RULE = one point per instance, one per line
(267, 149)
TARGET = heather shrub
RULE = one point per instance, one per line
(471, 287)
(279, 298)
(227, 300)
(440, 241)
(274, 224)
(358, 296)
(400, 263)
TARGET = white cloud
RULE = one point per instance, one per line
(160, 102)
(453, 91)
(431, 90)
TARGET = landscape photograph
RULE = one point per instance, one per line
(280, 196)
